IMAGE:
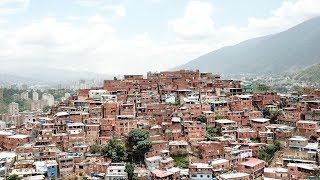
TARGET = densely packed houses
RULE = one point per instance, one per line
(221, 128)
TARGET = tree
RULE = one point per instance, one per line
(219, 117)
(137, 135)
(14, 177)
(142, 147)
(266, 112)
(95, 149)
(115, 150)
(181, 161)
(313, 139)
(266, 153)
(139, 143)
(130, 170)
(46, 108)
(263, 88)
(255, 140)
(178, 101)
(202, 118)
(272, 115)
(280, 89)
(3, 107)
(299, 89)
(213, 132)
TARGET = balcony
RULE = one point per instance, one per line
(291, 158)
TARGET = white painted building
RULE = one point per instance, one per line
(35, 96)
(109, 98)
(24, 96)
(153, 162)
(96, 94)
(200, 171)
(117, 171)
(14, 108)
(67, 95)
(49, 98)
(6, 159)
(2, 125)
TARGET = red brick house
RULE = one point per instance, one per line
(259, 124)
(252, 166)
(210, 150)
(307, 128)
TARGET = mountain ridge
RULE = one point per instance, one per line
(283, 52)
(309, 74)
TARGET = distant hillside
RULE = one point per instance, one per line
(310, 74)
(7, 78)
(287, 51)
(26, 75)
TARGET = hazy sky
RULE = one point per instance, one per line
(134, 36)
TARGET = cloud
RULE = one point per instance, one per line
(96, 45)
(119, 10)
(89, 3)
(289, 14)
(8, 7)
(19, 2)
(197, 25)
(3, 21)
(153, 1)
(73, 18)
(196, 21)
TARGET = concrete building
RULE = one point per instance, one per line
(24, 96)
(117, 171)
(49, 98)
(235, 176)
(276, 173)
(97, 94)
(35, 96)
(14, 108)
(24, 87)
(16, 97)
(1, 93)
(200, 171)
(6, 160)
(67, 95)
(38, 104)
(2, 125)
